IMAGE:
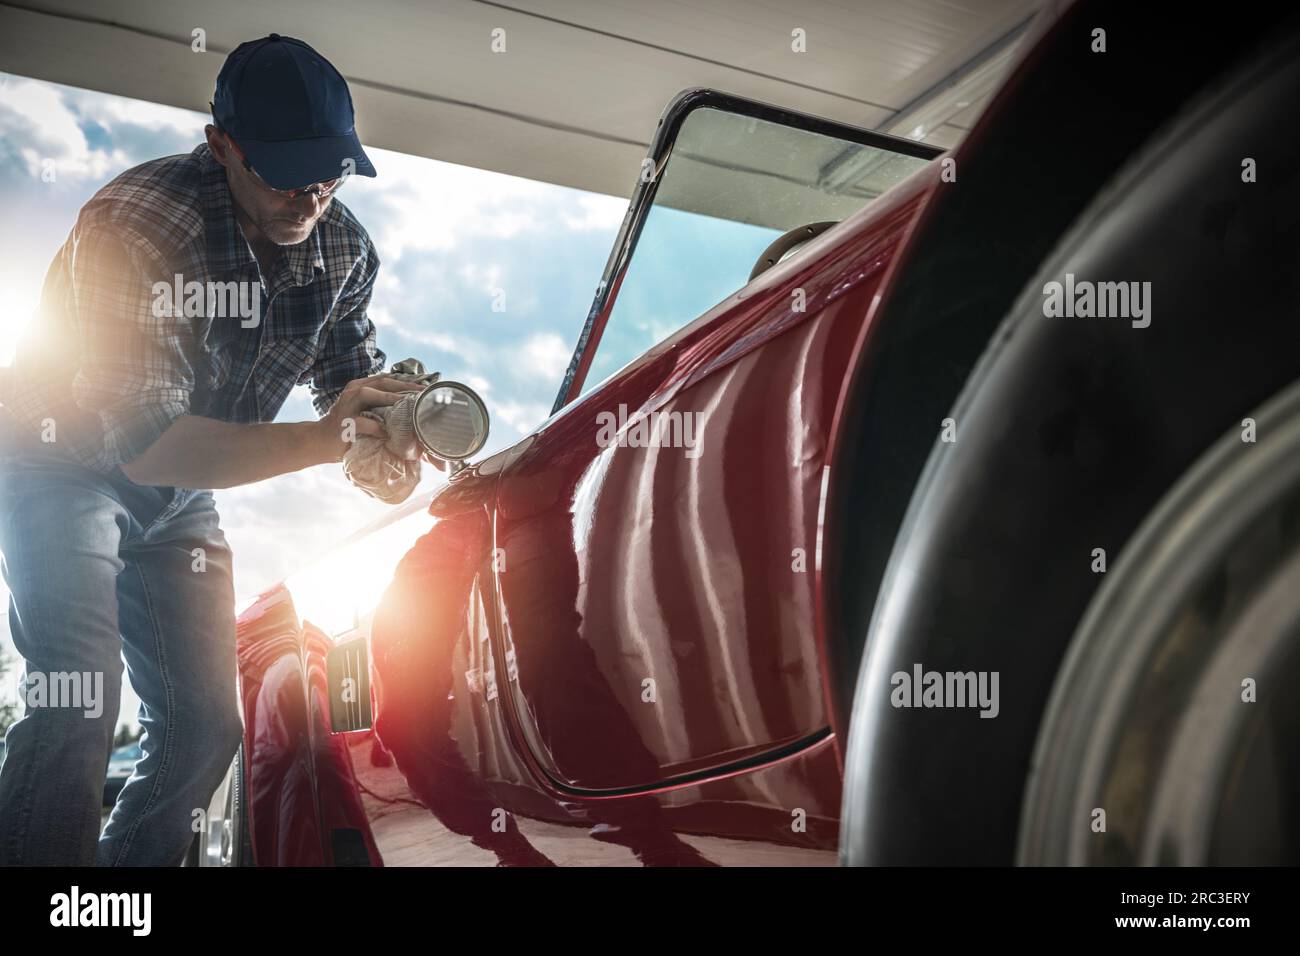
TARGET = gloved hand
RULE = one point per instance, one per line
(389, 469)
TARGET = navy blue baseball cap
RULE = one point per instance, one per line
(290, 112)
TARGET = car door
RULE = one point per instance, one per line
(656, 537)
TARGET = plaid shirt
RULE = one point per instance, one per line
(112, 370)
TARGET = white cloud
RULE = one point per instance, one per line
(523, 417)
(430, 205)
(109, 109)
(487, 277)
(380, 316)
(598, 212)
(546, 356)
(437, 340)
(44, 122)
(36, 118)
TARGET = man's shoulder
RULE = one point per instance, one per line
(342, 233)
(159, 202)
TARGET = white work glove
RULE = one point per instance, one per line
(389, 469)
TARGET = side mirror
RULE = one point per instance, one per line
(451, 421)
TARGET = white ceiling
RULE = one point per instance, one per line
(575, 97)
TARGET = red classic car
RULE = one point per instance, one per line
(949, 515)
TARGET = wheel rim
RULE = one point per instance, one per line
(221, 836)
(1147, 720)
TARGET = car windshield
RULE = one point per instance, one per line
(733, 183)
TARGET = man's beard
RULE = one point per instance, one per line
(284, 233)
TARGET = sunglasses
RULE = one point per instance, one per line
(321, 190)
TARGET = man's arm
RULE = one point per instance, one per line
(348, 350)
(197, 452)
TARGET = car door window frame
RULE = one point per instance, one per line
(661, 146)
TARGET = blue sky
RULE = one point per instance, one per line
(448, 237)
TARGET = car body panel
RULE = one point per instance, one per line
(442, 777)
(281, 774)
(627, 564)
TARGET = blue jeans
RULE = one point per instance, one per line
(102, 570)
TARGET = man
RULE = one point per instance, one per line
(192, 294)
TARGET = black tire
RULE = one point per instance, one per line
(1070, 432)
